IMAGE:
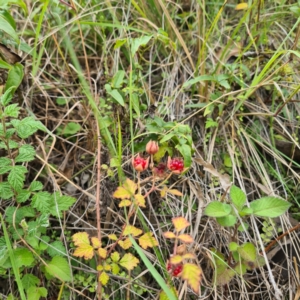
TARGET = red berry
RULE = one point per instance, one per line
(175, 165)
(139, 163)
(177, 270)
(160, 170)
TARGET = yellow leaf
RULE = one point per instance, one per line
(189, 256)
(126, 244)
(81, 238)
(186, 238)
(84, 250)
(140, 200)
(115, 256)
(129, 261)
(95, 242)
(163, 192)
(147, 240)
(241, 6)
(126, 190)
(125, 203)
(107, 267)
(102, 253)
(103, 278)
(115, 269)
(175, 192)
(180, 223)
(112, 237)
(129, 229)
(100, 268)
(193, 275)
(169, 235)
(176, 259)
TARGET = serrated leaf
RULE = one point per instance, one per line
(140, 200)
(95, 242)
(238, 197)
(27, 126)
(176, 259)
(29, 280)
(23, 196)
(126, 190)
(224, 276)
(5, 191)
(148, 240)
(125, 203)
(84, 250)
(169, 235)
(102, 252)
(193, 275)
(128, 261)
(126, 244)
(7, 96)
(23, 257)
(245, 211)
(115, 269)
(180, 223)
(60, 203)
(112, 237)
(227, 221)
(59, 268)
(271, 207)
(56, 248)
(35, 293)
(129, 229)
(26, 153)
(41, 201)
(186, 238)
(80, 238)
(115, 256)
(248, 252)
(35, 186)
(11, 110)
(140, 41)
(217, 209)
(16, 177)
(103, 278)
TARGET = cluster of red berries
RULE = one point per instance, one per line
(175, 165)
(174, 270)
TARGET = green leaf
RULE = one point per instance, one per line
(11, 110)
(7, 28)
(115, 94)
(23, 257)
(7, 96)
(23, 196)
(71, 129)
(136, 103)
(15, 76)
(6, 191)
(42, 201)
(233, 246)
(11, 145)
(167, 137)
(271, 207)
(35, 186)
(16, 215)
(137, 42)
(16, 177)
(198, 79)
(56, 249)
(227, 221)
(59, 267)
(248, 252)
(5, 165)
(238, 197)
(30, 280)
(60, 203)
(27, 126)
(185, 151)
(35, 293)
(117, 80)
(217, 209)
(246, 211)
(26, 153)
(5, 65)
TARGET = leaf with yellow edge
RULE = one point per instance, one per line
(115, 256)
(100, 268)
(112, 237)
(129, 261)
(193, 275)
(126, 190)
(140, 200)
(176, 259)
(125, 203)
(107, 267)
(169, 235)
(241, 6)
(129, 229)
(148, 240)
(95, 242)
(103, 278)
(175, 192)
(84, 250)
(186, 238)
(126, 244)
(80, 238)
(102, 252)
(189, 256)
(115, 269)
(163, 192)
(180, 223)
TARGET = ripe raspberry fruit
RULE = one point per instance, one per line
(160, 170)
(139, 163)
(178, 269)
(175, 165)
